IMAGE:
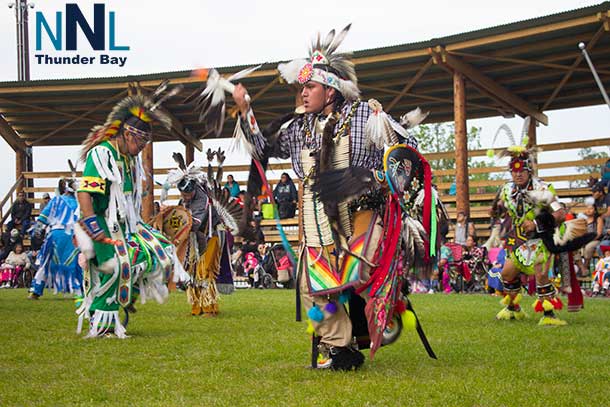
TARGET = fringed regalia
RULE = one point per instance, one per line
(362, 233)
(134, 259)
(58, 257)
(212, 215)
(530, 250)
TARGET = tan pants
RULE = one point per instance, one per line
(336, 329)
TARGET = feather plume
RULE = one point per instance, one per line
(290, 70)
(413, 118)
(150, 104)
(210, 101)
(228, 209)
(243, 73)
(378, 129)
(220, 157)
(349, 90)
(524, 131)
(72, 168)
(327, 149)
(341, 62)
(504, 128)
(573, 229)
(343, 184)
(544, 196)
(338, 39)
(179, 159)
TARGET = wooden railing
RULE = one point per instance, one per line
(9, 199)
(480, 200)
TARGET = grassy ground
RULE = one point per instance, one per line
(254, 354)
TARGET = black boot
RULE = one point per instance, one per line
(345, 358)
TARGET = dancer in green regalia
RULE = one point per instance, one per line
(125, 256)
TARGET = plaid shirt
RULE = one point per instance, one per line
(291, 140)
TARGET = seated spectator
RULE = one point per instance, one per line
(232, 186)
(286, 197)
(16, 262)
(10, 240)
(21, 212)
(462, 228)
(473, 255)
(601, 278)
(602, 200)
(595, 224)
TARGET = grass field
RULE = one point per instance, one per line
(254, 354)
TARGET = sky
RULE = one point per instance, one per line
(169, 36)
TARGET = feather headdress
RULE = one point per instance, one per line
(182, 176)
(145, 108)
(520, 154)
(325, 66)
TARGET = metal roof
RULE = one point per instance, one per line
(518, 68)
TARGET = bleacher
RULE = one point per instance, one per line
(480, 201)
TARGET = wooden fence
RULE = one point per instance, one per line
(480, 201)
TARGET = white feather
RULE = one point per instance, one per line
(338, 39)
(378, 129)
(84, 242)
(290, 70)
(413, 118)
(544, 196)
(243, 73)
(349, 90)
(503, 127)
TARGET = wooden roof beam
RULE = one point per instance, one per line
(39, 108)
(577, 62)
(11, 136)
(525, 62)
(78, 118)
(489, 85)
(410, 84)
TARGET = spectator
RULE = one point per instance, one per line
(10, 240)
(45, 200)
(462, 228)
(13, 266)
(285, 195)
(602, 200)
(232, 186)
(446, 256)
(595, 224)
(601, 279)
(21, 211)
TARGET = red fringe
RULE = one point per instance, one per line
(387, 248)
(575, 300)
(538, 307)
(400, 307)
(557, 304)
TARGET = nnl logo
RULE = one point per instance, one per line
(74, 17)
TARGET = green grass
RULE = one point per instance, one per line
(254, 354)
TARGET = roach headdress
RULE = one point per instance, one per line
(325, 66)
(135, 113)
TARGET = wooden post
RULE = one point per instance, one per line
(20, 167)
(190, 153)
(532, 142)
(148, 198)
(461, 144)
